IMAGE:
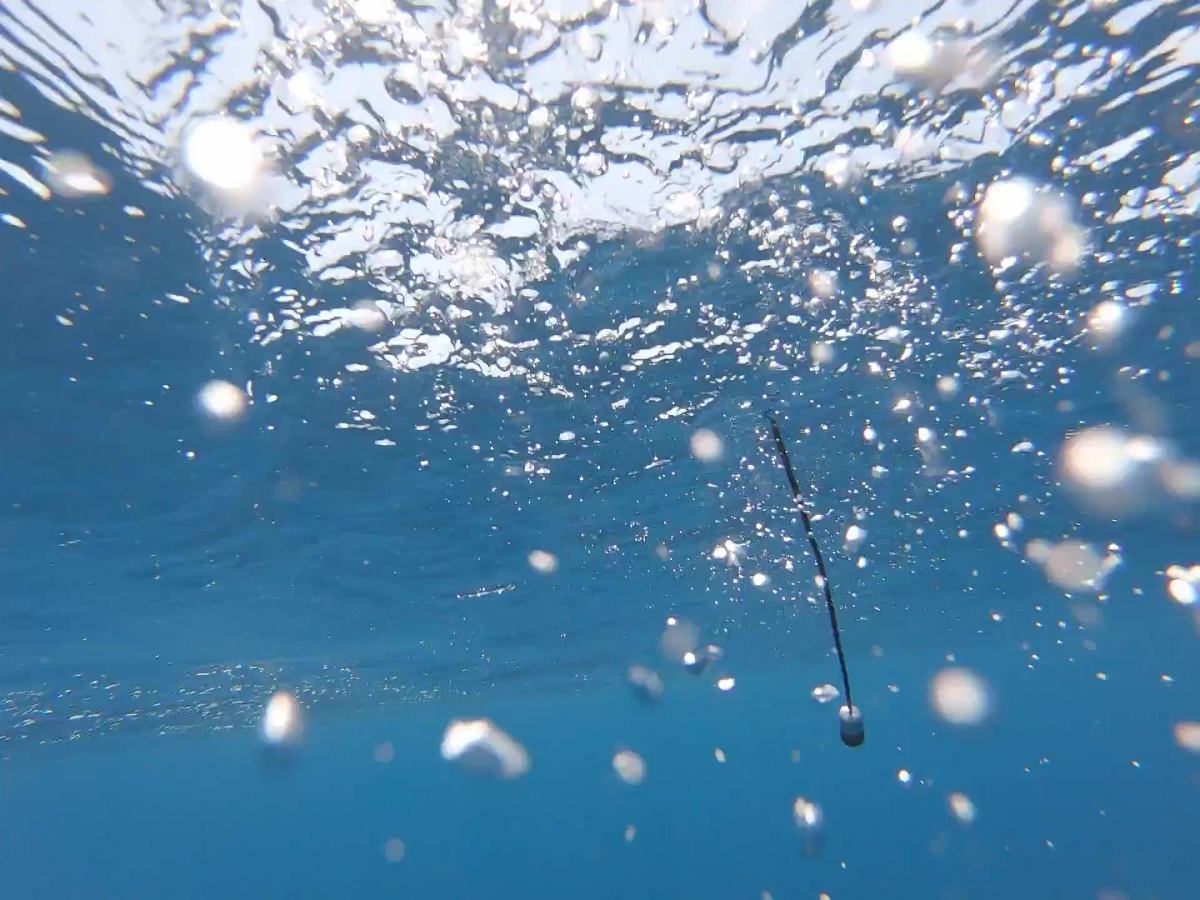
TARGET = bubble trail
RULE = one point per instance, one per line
(850, 717)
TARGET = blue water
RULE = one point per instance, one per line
(165, 573)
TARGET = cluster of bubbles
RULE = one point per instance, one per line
(957, 695)
(489, 157)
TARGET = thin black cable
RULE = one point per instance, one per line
(837, 634)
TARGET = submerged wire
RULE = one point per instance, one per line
(812, 540)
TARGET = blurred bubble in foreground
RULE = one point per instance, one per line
(222, 153)
(1077, 566)
(72, 174)
(222, 401)
(1187, 736)
(629, 767)
(962, 807)
(543, 561)
(1109, 470)
(824, 693)
(679, 638)
(479, 746)
(393, 850)
(281, 722)
(959, 696)
(646, 683)
(1019, 219)
(807, 814)
(706, 445)
(1181, 583)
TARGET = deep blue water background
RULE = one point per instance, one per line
(290, 553)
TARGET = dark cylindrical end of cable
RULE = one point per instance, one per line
(850, 722)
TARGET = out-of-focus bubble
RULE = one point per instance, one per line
(662, 551)
(393, 850)
(911, 53)
(678, 639)
(1106, 322)
(282, 722)
(1187, 736)
(947, 386)
(479, 746)
(1111, 471)
(1078, 566)
(904, 776)
(934, 64)
(223, 154)
(841, 170)
(367, 315)
(824, 693)
(807, 814)
(698, 660)
(822, 353)
(629, 767)
(706, 445)
(730, 552)
(759, 579)
(726, 683)
(719, 755)
(1181, 584)
(823, 283)
(1038, 550)
(1180, 478)
(222, 401)
(646, 683)
(72, 174)
(1018, 219)
(630, 833)
(542, 561)
(358, 134)
(962, 807)
(855, 535)
(959, 696)
(384, 752)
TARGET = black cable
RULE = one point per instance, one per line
(853, 735)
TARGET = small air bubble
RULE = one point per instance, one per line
(825, 693)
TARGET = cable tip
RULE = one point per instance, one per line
(850, 723)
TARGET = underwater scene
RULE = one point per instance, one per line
(600, 449)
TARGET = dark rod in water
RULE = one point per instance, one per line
(851, 718)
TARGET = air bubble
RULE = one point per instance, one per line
(480, 747)
(959, 696)
(281, 722)
(629, 767)
(707, 445)
(825, 693)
